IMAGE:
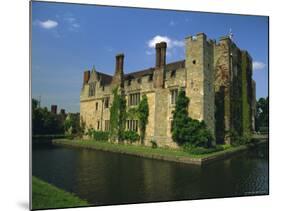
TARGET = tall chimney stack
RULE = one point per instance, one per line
(54, 109)
(86, 77)
(159, 73)
(119, 73)
(163, 46)
(160, 54)
(119, 63)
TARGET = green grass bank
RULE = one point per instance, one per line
(45, 195)
(175, 155)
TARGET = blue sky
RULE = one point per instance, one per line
(70, 38)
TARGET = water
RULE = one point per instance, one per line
(108, 178)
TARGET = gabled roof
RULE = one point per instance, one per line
(141, 73)
(106, 79)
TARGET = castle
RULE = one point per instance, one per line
(216, 76)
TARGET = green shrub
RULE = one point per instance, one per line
(201, 150)
(100, 135)
(90, 132)
(188, 130)
(237, 140)
(97, 135)
(130, 136)
(153, 144)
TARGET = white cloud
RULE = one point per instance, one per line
(257, 65)
(72, 23)
(48, 24)
(172, 23)
(171, 43)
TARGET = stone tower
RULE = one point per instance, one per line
(200, 78)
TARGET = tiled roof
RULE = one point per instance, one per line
(141, 73)
(106, 79)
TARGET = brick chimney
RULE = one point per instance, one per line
(86, 77)
(54, 109)
(118, 77)
(160, 54)
(119, 63)
(163, 47)
(159, 73)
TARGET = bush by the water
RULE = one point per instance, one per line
(130, 136)
(98, 135)
(186, 129)
(237, 140)
(201, 150)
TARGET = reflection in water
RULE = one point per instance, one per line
(110, 178)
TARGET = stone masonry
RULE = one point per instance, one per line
(217, 78)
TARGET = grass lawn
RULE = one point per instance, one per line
(137, 149)
(168, 154)
(45, 195)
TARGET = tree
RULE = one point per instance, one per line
(72, 124)
(262, 113)
(180, 119)
(45, 122)
(143, 112)
(186, 130)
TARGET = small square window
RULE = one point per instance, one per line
(173, 73)
(106, 102)
(174, 94)
(97, 106)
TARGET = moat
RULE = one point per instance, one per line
(110, 178)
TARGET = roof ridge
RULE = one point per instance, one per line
(152, 68)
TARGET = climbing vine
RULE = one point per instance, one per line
(117, 115)
(245, 95)
(143, 112)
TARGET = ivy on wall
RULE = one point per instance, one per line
(143, 112)
(117, 115)
(246, 123)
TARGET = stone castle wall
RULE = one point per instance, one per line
(211, 76)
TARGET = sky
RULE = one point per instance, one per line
(68, 39)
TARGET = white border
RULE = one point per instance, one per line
(15, 102)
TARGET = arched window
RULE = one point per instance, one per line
(92, 89)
